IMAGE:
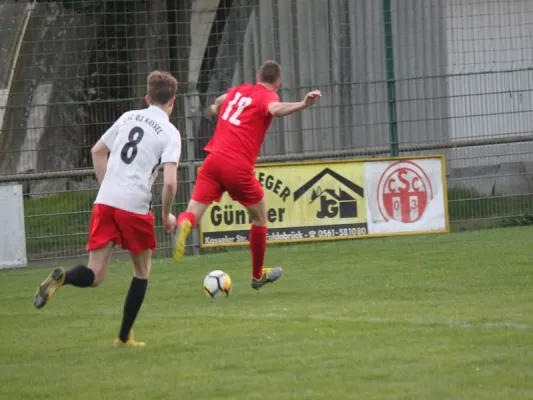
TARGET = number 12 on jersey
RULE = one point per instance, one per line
(242, 103)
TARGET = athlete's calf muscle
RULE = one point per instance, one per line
(197, 208)
(99, 262)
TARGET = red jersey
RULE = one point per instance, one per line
(243, 121)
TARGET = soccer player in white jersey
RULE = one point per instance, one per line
(137, 144)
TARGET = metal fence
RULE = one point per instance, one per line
(398, 78)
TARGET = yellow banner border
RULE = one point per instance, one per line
(350, 161)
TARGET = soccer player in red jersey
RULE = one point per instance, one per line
(245, 113)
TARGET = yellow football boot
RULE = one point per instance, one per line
(131, 342)
(180, 240)
(49, 286)
(269, 275)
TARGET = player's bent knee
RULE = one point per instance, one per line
(259, 221)
(258, 214)
(142, 264)
(99, 262)
(141, 272)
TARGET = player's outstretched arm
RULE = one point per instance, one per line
(99, 154)
(170, 187)
(278, 109)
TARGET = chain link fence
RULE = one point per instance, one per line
(398, 78)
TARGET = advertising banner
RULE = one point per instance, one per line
(405, 196)
(337, 200)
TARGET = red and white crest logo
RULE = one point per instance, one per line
(404, 192)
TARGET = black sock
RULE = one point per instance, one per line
(133, 303)
(79, 276)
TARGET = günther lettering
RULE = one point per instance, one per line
(229, 216)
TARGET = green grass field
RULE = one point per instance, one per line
(419, 317)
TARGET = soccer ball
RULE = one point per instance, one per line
(217, 283)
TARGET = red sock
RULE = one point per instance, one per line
(186, 216)
(258, 239)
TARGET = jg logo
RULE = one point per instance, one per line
(332, 203)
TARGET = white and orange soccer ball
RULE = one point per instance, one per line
(217, 283)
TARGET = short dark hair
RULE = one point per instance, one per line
(161, 86)
(270, 72)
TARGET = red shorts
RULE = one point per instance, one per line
(133, 232)
(217, 176)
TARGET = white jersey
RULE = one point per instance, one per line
(140, 141)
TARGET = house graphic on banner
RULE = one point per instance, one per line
(334, 202)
